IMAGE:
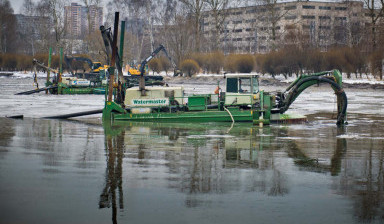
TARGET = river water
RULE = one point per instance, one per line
(79, 171)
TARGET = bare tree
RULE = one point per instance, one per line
(195, 8)
(271, 14)
(52, 9)
(137, 15)
(217, 10)
(178, 35)
(28, 8)
(29, 33)
(89, 4)
(7, 28)
(376, 12)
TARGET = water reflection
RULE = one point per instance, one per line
(114, 146)
(198, 160)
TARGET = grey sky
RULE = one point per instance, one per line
(16, 5)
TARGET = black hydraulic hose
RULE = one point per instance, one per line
(65, 116)
(337, 88)
(36, 90)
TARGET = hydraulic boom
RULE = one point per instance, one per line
(334, 78)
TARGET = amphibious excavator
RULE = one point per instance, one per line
(241, 101)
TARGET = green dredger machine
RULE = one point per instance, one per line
(241, 102)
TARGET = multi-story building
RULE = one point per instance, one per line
(76, 19)
(262, 28)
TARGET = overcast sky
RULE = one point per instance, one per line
(16, 5)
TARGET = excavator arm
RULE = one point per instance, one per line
(68, 60)
(148, 59)
(154, 53)
(107, 38)
(334, 78)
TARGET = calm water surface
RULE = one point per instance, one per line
(74, 172)
(54, 171)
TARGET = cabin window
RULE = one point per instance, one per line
(255, 83)
(244, 85)
(232, 85)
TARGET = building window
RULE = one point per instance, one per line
(248, 29)
(290, 17)
(308, 7)
(324, 27)
(308, 17)
(290, 7)
(238, 31)
(325, 7)
(250, 21)
(341, 18)
(324, 17)
(341, 8)
(237, 22)
(250, 11)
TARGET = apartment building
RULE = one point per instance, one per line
(261, 28)
(76, 19)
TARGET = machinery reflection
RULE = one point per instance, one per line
(201, 159)
(112, 194)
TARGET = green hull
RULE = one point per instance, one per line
(201, 116)
(66, 91)
(114, 112)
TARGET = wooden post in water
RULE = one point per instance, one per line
(113, 58)
(49, 65)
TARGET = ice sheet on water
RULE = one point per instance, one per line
(24, 75)
(210, 136)
(357, 136)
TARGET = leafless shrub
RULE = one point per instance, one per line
(230, 63)
(189, 67)
(215, 62)
(165, 64)
(245, 63)
(155, 65)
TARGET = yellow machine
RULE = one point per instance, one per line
(97, 66)
(94, 66)
(135, 70)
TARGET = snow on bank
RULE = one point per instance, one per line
(25, 74)
(368, 79)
